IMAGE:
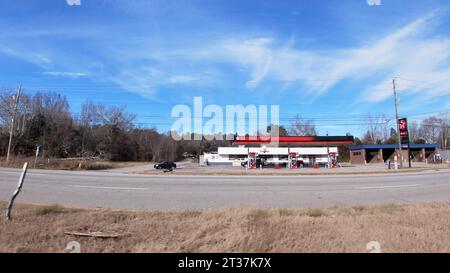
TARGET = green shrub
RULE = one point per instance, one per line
(52, 209)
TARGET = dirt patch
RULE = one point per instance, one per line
(398, 228)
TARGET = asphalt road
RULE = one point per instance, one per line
(175, 192)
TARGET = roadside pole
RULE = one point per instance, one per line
(11, 131)
(248, 158)
(328, 155)
(398, 127)
(409, 154)
(19, 187)
(37, 154)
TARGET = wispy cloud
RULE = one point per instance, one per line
(182, 79)
(140, 80)
(410, 52)
(255, 54)
(65, 74)
(30, 56)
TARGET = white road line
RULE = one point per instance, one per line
(388, 187)
(110, 188)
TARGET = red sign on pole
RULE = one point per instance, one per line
(403, 130)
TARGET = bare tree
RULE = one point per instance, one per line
(430, 129)
(280, 129)
(414, 132)
(445, 124)
(300, 127)
(377, 130)
(7, 102)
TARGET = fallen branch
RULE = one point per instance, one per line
(94, 234)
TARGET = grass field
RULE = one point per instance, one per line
(398, 228)
(59, 164)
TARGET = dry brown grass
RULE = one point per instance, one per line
(58, 164)
(398, 228)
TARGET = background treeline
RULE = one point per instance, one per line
(109, 132)
(98, 131)
(433, 129)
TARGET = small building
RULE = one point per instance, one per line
(380, 153)
(289, 151)
(443, 156)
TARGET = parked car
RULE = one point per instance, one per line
(166, 165)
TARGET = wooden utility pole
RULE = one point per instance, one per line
(398, 127)
(11, 131)
(328, 155)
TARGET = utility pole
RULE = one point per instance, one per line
(398, 128)
(328, 154)
(11, 131)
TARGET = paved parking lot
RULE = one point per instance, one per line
(192, 168)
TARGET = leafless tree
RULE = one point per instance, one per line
(430, 129)
(300, 127)
(377, 129)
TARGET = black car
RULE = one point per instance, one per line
(165, 165)
(258, 163)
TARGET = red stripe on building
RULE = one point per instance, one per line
(303, 140)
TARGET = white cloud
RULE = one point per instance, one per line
(408, 52)
(140, 80)
(39, 59)
(254, 54)
(182, 79)
(65, 74)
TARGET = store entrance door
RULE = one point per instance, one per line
(312, 160)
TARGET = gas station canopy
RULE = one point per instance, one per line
(294, 140)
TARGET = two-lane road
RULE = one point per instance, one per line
(175, 192)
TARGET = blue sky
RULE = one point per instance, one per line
(332, 61)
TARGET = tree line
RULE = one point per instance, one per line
(109, 132)
(106, 132)
(433, 129)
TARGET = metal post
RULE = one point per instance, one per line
(328, 155)
(37, 154)
(248, 157)
(398, 127)
(409, 153)
(19, 187)
(11, 131)
(289, 165)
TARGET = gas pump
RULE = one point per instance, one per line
(333, 160)
(293, 161)
(251, 161)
